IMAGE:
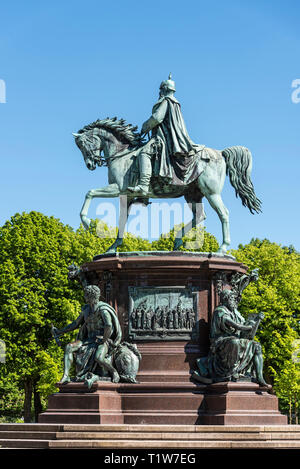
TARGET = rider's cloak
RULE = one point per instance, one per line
(176, 162)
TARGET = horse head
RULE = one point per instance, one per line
(111, 135)
(90, 145)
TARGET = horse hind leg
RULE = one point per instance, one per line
(216, 202)
(198, 216)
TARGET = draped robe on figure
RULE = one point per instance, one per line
(176, 163)
(231, 355)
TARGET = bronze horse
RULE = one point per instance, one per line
(112, 143)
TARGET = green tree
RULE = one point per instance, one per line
(99, 237)
(198, 239)
(277, 294)
(287, 388)
(35, 251)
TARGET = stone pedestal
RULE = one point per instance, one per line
(163, 403)
(122, 403)
(241, 403)
(162, 278)
(180, 288)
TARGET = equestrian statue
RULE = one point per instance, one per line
(166, 165)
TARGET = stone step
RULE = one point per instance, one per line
(167, 444)
(148, 436)
(163, 428)
(38, 427)
(34, 427)
(27, 435)
(161, 436)
(24, 443)
(149, 444)
(138, 429)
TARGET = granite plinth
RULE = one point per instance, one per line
(124, 403)
(241, 403)
(165, 393)
(163, 403)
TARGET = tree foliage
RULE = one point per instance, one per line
(287, 387)
(277, 294)
(34, 292)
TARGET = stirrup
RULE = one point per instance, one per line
(144, 190)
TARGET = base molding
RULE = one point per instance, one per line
(241, 403)
(164, 403)
(142, 403)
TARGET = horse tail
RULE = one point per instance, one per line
(238, 168)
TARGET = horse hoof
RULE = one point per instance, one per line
(113, 248)
(86, 222)
(177, 244)
(222, 250)
(110, 251)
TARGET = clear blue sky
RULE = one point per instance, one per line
(67, 63)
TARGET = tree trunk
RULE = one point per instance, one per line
(296, 409)
(37, 404)
(27, 400)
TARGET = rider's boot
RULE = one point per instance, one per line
(145, 168)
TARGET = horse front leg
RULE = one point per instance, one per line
(125, 203)
(84, 211)
(112, 190)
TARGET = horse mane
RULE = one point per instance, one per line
(124, 132)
